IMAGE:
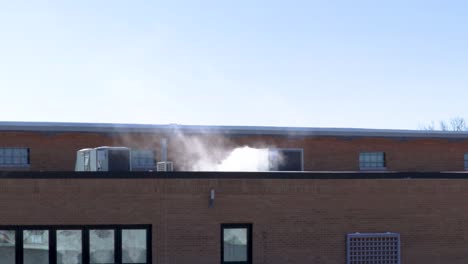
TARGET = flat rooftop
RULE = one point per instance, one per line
(226, 130)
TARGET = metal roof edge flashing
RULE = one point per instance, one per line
(228, 130)
(233, 175)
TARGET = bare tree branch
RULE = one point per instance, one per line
(458, 124)
(455, 124)
(428, 127)
(443, 126)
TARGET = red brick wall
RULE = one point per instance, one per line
(57, 151)
(294, 221)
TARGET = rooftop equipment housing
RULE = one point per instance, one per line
(164, 166)
(103, 159)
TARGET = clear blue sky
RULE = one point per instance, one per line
(374, 64)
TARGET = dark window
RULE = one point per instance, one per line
(373, 248)
(372, 160)
(119, 160)
(143, 159)
(103, 244)
(14, 157)
(236, 247)
(286, 159)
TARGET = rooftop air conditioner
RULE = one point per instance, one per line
(164, 166)
(103, 159)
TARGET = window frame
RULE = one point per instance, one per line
(301, 150)
(55, 234)
(85, 239)
(121, 245)
(247, 226)
(140, 167)
(18, 237)
(21, 165)
(383, 168)
(87, 249)
(20, 244)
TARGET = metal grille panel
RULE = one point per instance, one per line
(373, 248)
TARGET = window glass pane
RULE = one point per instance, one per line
(465, 160)
(8, 159)
(24, 152)
(7, 247)
(8, 152)
(235, 244)
(69, 247)
(13, 156)
(366, 158)
(134, 246)
(372, 160)
(143, 159)
(20, 152)
(36, 246)
(101, 246)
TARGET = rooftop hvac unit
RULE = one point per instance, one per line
(103, 159)
(164, 166)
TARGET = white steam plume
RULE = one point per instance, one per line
(206, 151)
(210, 152)
(239, 159)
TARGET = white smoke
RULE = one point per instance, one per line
(239, 159)
(208, 152)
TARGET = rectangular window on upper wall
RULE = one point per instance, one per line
(465, 160)
(372, 160)
(236, 243)
(286, 159)
(143, 159)
(14, 157)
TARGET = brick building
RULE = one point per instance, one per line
(170, 218)
(396, 207)
(53, 146)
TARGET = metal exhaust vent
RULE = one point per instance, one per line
(164, 166)
(373, 248)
